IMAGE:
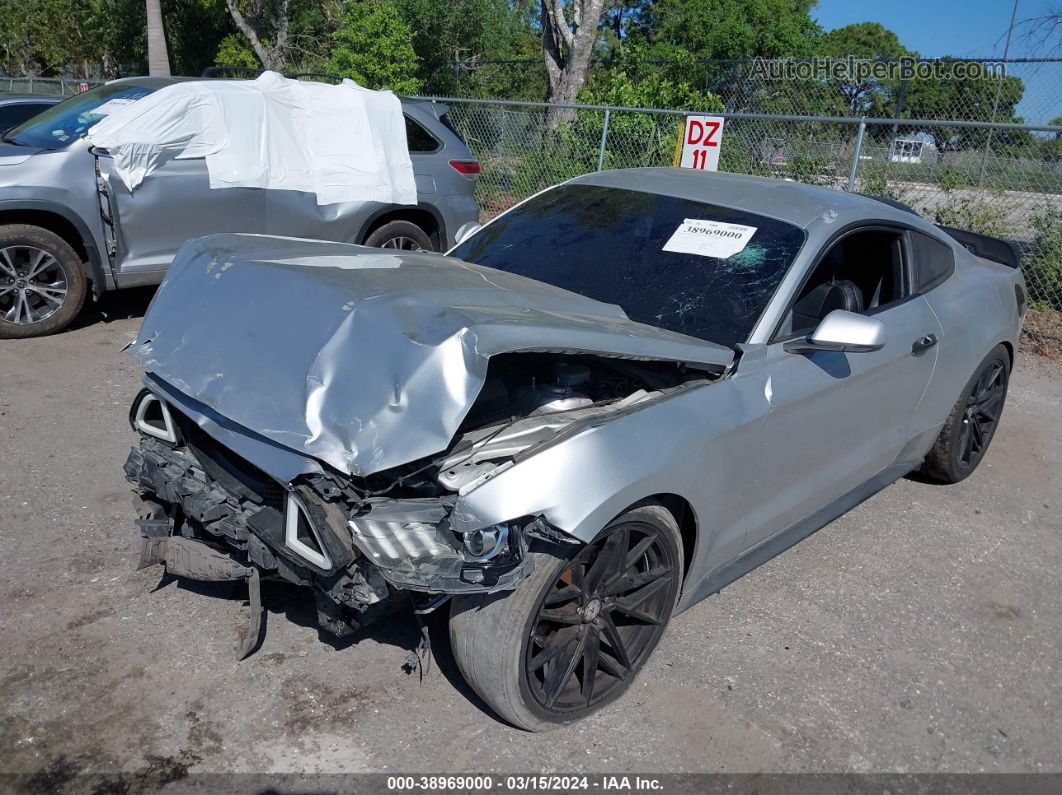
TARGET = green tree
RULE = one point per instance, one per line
(452, 38)
(864, 96)
(235, 51)
(632, 80)
(105, 38)
(640, 139)
(709, 30)
(730, 28)
(374, 46)
(1052, 147)
(990, 98)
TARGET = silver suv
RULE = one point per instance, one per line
(68, 224)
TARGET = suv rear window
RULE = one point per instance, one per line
(445, 119)
(418, 139)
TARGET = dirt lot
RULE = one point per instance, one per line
(921, 632)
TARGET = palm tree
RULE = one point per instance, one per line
(158, 57)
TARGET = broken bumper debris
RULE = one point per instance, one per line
(206, 514)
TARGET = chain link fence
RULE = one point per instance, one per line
(52, 86)
(999, 179)
(1025, 90)
(1000, 183)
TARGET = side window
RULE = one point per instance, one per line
(933, 261)
(10, 115)
(863, 272)
(419, 139)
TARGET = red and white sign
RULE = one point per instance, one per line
(701, 141)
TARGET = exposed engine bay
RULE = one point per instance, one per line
(364, 544)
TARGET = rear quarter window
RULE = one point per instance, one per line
(933, 261)
(420, 140)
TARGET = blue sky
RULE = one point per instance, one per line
(971, 28)
(964, 28)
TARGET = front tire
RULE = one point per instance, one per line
(972, 424)
(42, 283)
(572, 637)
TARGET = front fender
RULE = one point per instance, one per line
(29, 199)
(690, 444)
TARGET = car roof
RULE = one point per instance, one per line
(785, 200)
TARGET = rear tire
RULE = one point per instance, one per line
(592, 619)
(972, 424)
(42, 282)
(401, 235)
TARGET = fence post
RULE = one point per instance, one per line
(856, 153)
(604, 138)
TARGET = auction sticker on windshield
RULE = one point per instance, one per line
(709, 238)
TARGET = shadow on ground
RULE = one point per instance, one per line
(112, 306)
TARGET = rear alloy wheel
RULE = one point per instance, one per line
(572, 636)
(42, 284)
(401, 235)
(969, 429)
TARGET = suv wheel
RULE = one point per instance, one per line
(42, 283)
(573, 635)
(403, 235)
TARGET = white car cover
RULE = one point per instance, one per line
(343, 143)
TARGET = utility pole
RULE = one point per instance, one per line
(995, 102)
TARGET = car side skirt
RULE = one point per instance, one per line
(755, 557)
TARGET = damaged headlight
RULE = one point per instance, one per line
(412, 544)
(484, 544)
(401, 544)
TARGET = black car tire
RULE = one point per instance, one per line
(24, 236)
(401, 235)
(497, 638)
(972, 423)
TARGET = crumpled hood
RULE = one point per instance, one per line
(360, 358)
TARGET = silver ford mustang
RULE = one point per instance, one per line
(602, 407)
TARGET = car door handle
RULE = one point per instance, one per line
(924, 343)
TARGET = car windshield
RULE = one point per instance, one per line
(62, 124)
(696, 268)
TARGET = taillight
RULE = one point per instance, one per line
(468, 168)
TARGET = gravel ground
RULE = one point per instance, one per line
(921, 632)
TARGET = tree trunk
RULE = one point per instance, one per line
(271, 57)
(567, 51)
(158, 57)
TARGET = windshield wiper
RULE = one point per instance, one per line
(6, 140)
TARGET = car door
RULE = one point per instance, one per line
(838, 419)
(173, 204)
(297, 213)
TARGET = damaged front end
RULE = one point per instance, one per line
(343, 453)
(358, 553)
(365, 544)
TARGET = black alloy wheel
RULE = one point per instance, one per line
(574, 634)
(600, 619)
(982, 412)
(972, 423)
